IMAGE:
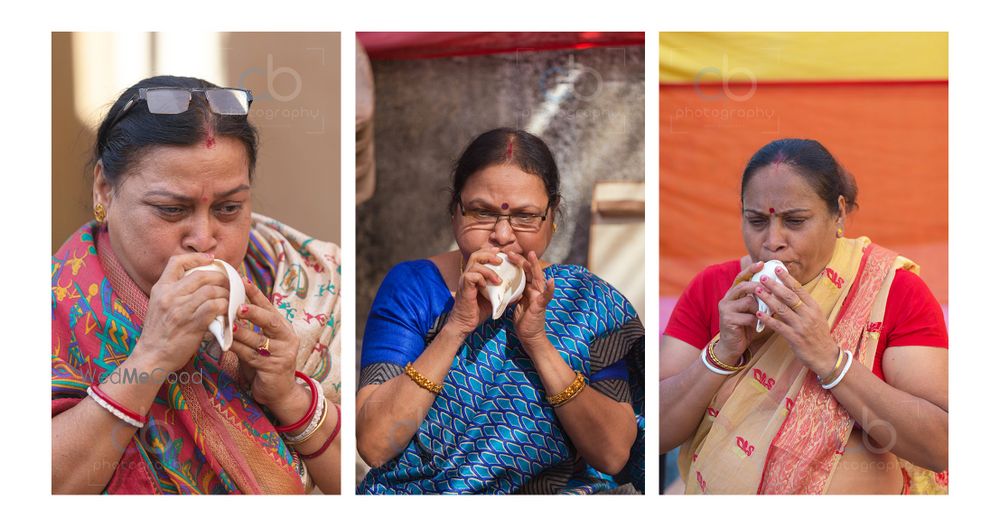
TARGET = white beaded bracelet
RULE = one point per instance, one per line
(114, 411)
(832, 385)
(316, 418)
(713, 369)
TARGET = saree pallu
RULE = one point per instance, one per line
(204, 433)
(491, 430)
(780, 432)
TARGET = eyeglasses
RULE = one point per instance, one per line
(519, 221)
(172, 101)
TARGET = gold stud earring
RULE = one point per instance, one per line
(554, 227)
(100, 213)
(840, 232)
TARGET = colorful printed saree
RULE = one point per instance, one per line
(207, 436)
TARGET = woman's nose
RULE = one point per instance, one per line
(775, 240)
(200, 236)
(503, 233)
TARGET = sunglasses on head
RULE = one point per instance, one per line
(172, 101)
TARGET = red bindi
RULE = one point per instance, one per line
(210, 141)
(771, 210)
(504, 206)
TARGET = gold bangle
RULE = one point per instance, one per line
(569, 393)
(422, 381)
(723, 365)
(322, 419)
(833, 374)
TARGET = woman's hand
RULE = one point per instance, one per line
(471, 306)
(180, 310)
(271, 371)
(737, 323)
(529, 315)
(798, 318)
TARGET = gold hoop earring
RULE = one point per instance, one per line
(100, 213)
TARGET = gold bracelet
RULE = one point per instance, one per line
(569, 393)
(833, 374)
(422, 381)
(309, 433)
(723, 365)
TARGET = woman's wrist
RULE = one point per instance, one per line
(825, 363)
(455, 331)
(133, 384)
(293, 405)
(159, 357)
(536, 344)
(140, 368)
(556, 374)
(727, 353)
(147, 357)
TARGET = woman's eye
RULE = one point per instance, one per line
(230, 209)
(757, 222)
(482, 215)
(794, 222)
(169, 210)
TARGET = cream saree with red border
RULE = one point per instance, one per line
(780, 432)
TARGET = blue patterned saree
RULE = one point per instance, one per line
(491, 430)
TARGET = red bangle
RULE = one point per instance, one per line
(116, 405)
(727, 367)
(714, 363)
(312, 406)
(329, 440)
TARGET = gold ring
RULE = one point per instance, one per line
(265, 348)
(799, 303)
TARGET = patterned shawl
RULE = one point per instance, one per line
(208, 436)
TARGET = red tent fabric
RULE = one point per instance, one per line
(409, 46)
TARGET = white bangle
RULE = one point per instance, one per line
(316, 418)
(832, 385)
(713, 369)
(114, 411)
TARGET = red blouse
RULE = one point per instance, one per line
(912, 315)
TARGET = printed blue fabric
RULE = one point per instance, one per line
(491, 430)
